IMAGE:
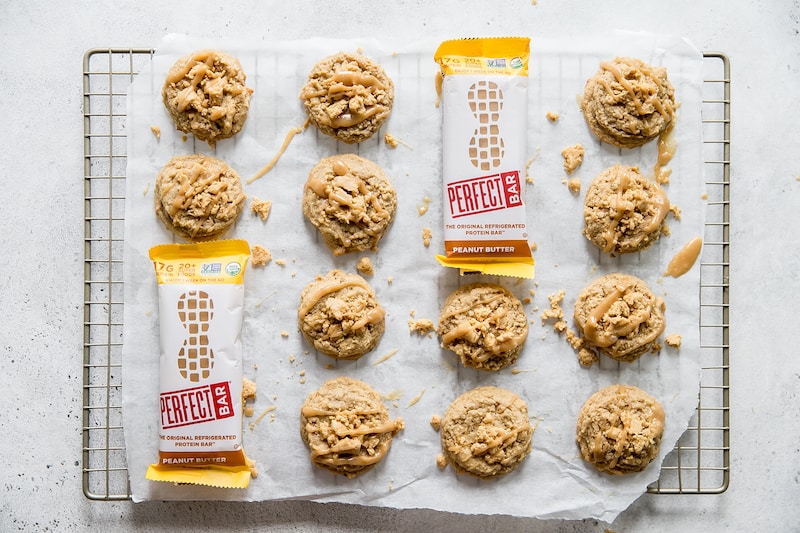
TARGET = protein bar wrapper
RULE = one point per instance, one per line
(200, 302)
(484, 100)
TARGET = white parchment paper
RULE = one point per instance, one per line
(553, 482)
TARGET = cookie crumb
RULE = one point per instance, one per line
(390, 140)
(421, 326)
(436, 422)
(281, 262)
(248, 394)
(574, 185)
(260, 256)
(673, 340)
(426, 236)
(284, 334)
(555, 311)
(261, 207)
(393, 142)
(441, 461)
(156, 131)
(365, 266)
(552, 116)
(573, 157)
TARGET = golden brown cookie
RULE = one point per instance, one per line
(486, 432)
(346, 426)
(350, 201)
(628, 103)
(618, 315)
(619, 429)
(348, 96)
(623, 211)
(205, 94)
(340, 316)
(198, 197)
(484, 324)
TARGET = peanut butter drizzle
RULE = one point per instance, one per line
(592, 331)
(205, 62)
(683, 261)
(653, 99)
(437, 82)
(350, 78)
(200, 57)
(618, 206)
(591, 328)
(288, 139)
(327, 455)
(340, 168)
(351, 119)
(666, 151)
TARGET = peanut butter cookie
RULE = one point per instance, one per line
(618, 315)
(340, 316)
(350, 201)
(624, 212)
(205, 94)
(346, 426)
(484, 324)
(486, 432)
(348, 96)
(628, 103)
(198, 197)
(619, 429)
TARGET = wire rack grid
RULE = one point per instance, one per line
(700, 462)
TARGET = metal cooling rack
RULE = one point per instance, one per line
(700, 462)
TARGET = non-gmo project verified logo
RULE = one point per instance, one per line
(210, 268)
(496, 63)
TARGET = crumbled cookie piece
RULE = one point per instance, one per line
(555, 312)
(248, 394)
(574, 185)
(436, 422)
(573, 157)
(441, 461)
(261, 207)
(421, 326)
(259, 256)
(365, 266)
(156, 131)
(552, 116)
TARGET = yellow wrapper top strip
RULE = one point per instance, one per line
(201, 297)
(484, 102)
